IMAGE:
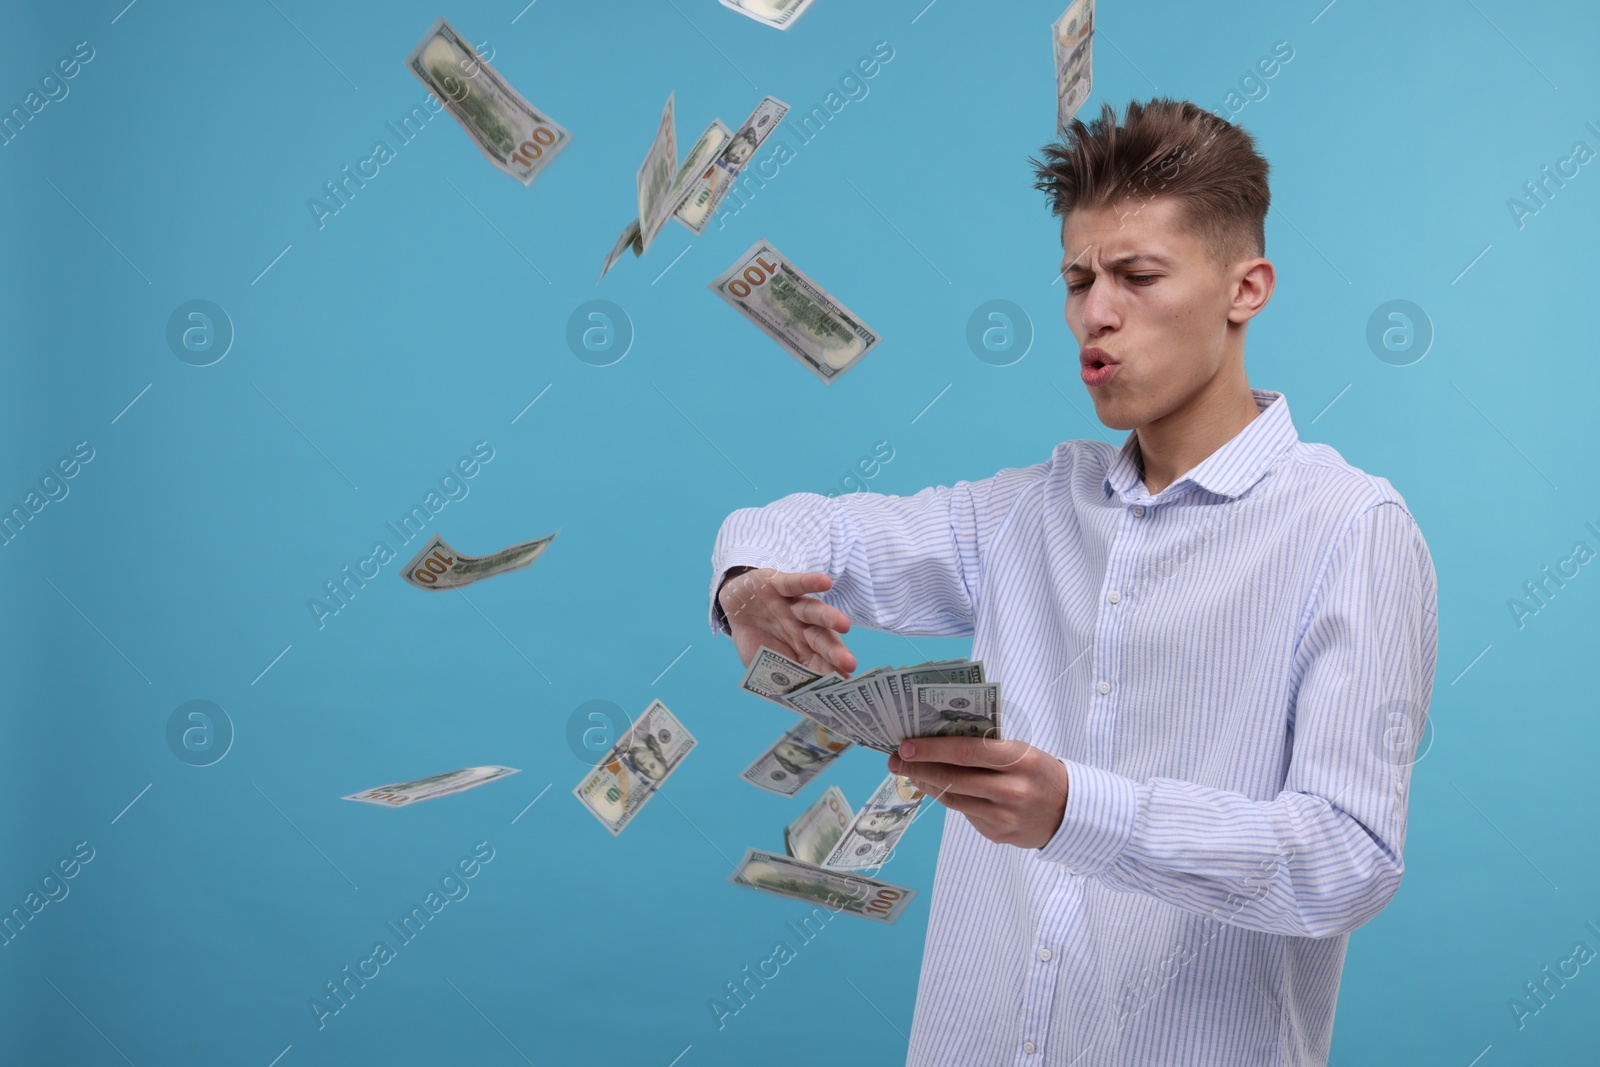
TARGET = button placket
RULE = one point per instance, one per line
(1040, 983)
(1101, 725)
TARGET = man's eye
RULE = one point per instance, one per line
(1071, 288)
(1136, 277)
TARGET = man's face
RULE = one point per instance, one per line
(1171, 317)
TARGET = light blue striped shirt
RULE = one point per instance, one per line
(1235, 672)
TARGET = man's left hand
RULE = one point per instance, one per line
(1011, 792)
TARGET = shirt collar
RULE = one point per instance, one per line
(1229, 471)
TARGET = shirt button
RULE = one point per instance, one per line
(1044, 955)
(1399, 790)
(1114, 596)
(1138, 510)
(1029, 1047)
(1104, 687)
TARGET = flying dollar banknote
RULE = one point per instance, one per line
(839, 891)
(632, 772)
(438, 566)
(701, 156)
(822, 334)
(805, 750)
(516, 137)
(698, 157)
(655, 178)
(713, 184)
(1074, 45)
(777, 13)
(812, 836)
(400, 794)
(872, 834)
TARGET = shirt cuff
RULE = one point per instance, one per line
(738, 557)
(1098, 822)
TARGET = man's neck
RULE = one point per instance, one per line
(1176, 443)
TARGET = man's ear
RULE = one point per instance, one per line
(1256, 279)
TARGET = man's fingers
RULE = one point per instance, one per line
(986, 752)
(799, 583)
(831, 648)
(817, 613)
(977, 808)
(943, 780)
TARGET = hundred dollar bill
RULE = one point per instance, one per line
(1073, 33)
(635, 767)
(812, 836)
(779, 13)
(805, 750)
(655, 178)
(872, 834)
(772, 674)
(697, 159)
(516, 137)
(842, 891)
(438, 566)
(707, 192)
(943, 671)
(950, 710)
(822, 334)
(400, 794)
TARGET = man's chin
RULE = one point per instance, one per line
(1112, 415)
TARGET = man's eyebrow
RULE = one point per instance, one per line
(1121, 261)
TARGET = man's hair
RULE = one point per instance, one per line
(1164, 148)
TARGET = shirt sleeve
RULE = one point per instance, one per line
(901, 564)
(1325, 855)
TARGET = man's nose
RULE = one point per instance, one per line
(1099, 305)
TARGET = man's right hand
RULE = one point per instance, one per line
(770, 607)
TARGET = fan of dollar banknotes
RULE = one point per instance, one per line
(883, 707)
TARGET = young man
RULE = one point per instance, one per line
(1215, 648)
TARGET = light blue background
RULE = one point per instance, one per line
(423, 318)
